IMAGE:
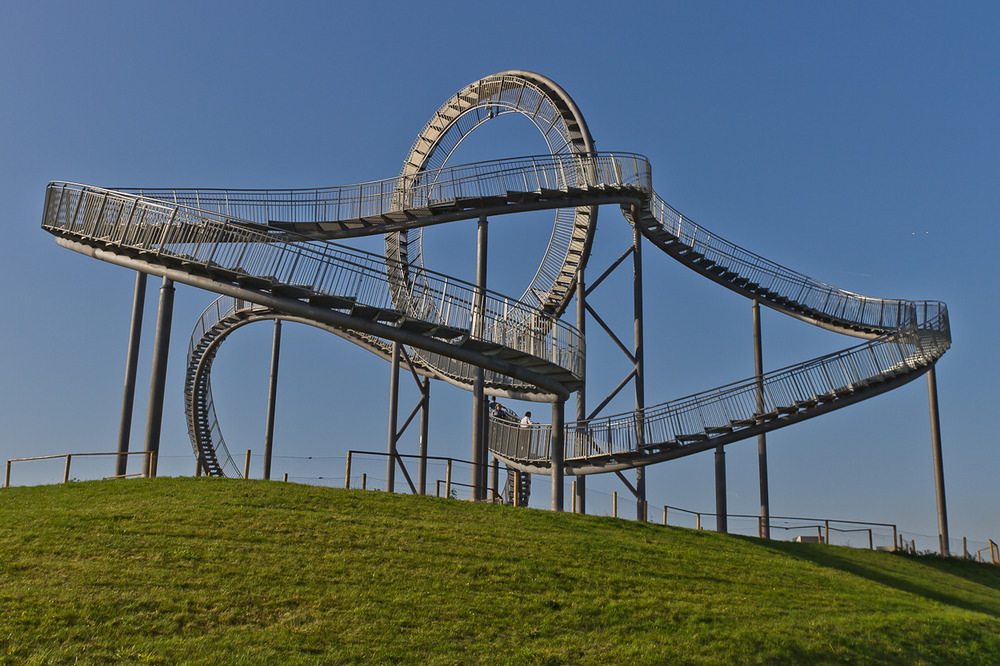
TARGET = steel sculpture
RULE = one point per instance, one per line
(270, 256)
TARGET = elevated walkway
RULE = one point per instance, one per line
(268, 254)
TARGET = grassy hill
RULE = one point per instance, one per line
(226, 571)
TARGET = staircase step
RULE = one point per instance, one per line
(415, 326)
(447, 332)
(514, 196)
(375, 313)
(441, 205)
(292, 291)
(259, 282)
(217, 271)
(332, 301)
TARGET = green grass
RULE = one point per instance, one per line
(225, 571)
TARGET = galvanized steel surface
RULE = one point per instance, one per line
(266, 241)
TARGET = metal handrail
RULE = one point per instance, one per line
(181, 234)
(492, 178)
(735, 405)
(880, 314)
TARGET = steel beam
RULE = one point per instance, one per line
(721, 510)
(558, 450)
(942, 509)
(390, 464)
(494, 480)
(580, 487)
(425, 404)
(639, 354)
(758, 364)
(272, 396)
(131, 364)
(158, 378)
(479, 444)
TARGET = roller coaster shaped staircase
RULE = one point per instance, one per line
(270, 256)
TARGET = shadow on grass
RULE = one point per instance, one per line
(972, 572)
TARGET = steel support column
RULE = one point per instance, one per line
(425, 399)
(158, 378)
(721, 510)
(580, 503)
(390, 464)
(557, 443)
(479, 456)
(272, 396)
(494, 480)
(131, 364)
(758, 364)
(942, 509)
(640, 385)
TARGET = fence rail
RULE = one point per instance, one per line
(823, 528)
(69, 458)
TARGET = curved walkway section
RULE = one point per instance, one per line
(216, 250)
(906, 338)
(224, 316)
(563, 129)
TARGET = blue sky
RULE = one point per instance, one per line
(853, 142)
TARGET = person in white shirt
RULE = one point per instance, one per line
(526, 420)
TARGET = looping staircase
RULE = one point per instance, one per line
(266, 253)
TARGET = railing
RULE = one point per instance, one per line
(150, 458)
(821, 527)
(178, 233)
(367, 200)
(874, 313)
(420, 487)
(994, 550)
(735, 405)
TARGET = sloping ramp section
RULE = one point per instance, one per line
(905, 339)
(331, 284)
